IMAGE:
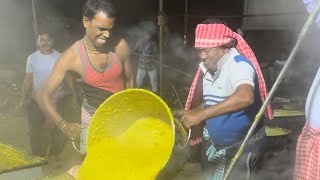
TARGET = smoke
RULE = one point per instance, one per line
(18, 37)
(176, 45)
(53, 17)
(306, 62)
(276, 33)
(173, 43)
(184, 58)
(16, 30)
(135, 33)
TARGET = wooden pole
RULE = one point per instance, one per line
(161, 23)
(275, 86)
(35, 24)
(185, 23)
(245, 12)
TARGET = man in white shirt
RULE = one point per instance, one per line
(233, 91)
(39, 66)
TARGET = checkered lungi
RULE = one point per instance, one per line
(307, 165)
(85, 119)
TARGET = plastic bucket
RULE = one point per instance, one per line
(151, 143)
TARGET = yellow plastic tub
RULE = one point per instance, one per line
(130, 136)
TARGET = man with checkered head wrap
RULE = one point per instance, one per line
(232, 90)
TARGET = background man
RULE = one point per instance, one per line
(39, 66)
(146, 51)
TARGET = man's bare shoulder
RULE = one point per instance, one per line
(122, 48)
(70, 53)
(122, 44)
(69, 60)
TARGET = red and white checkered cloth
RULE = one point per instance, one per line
(307, 165)
(192, 90)
(85, 116)
(214, 35)
(194, 99)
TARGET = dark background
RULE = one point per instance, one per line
(63, 19)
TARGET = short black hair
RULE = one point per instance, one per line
(92, 7)
(233, 43)
(214, 21)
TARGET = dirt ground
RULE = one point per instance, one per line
(279, 160)
(14, 130)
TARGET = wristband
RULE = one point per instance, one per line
(60, 122)
(64, 125)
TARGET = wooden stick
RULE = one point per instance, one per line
(35, 23)
(275, 86)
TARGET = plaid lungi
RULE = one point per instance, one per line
(85, 119)
(307, 165)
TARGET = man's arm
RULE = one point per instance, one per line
(62, 66)
(52, 83)
(241, 99)
(124, 51)
(137, 45)
(26, 88)
(70, 82)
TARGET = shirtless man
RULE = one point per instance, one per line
(100, 59)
